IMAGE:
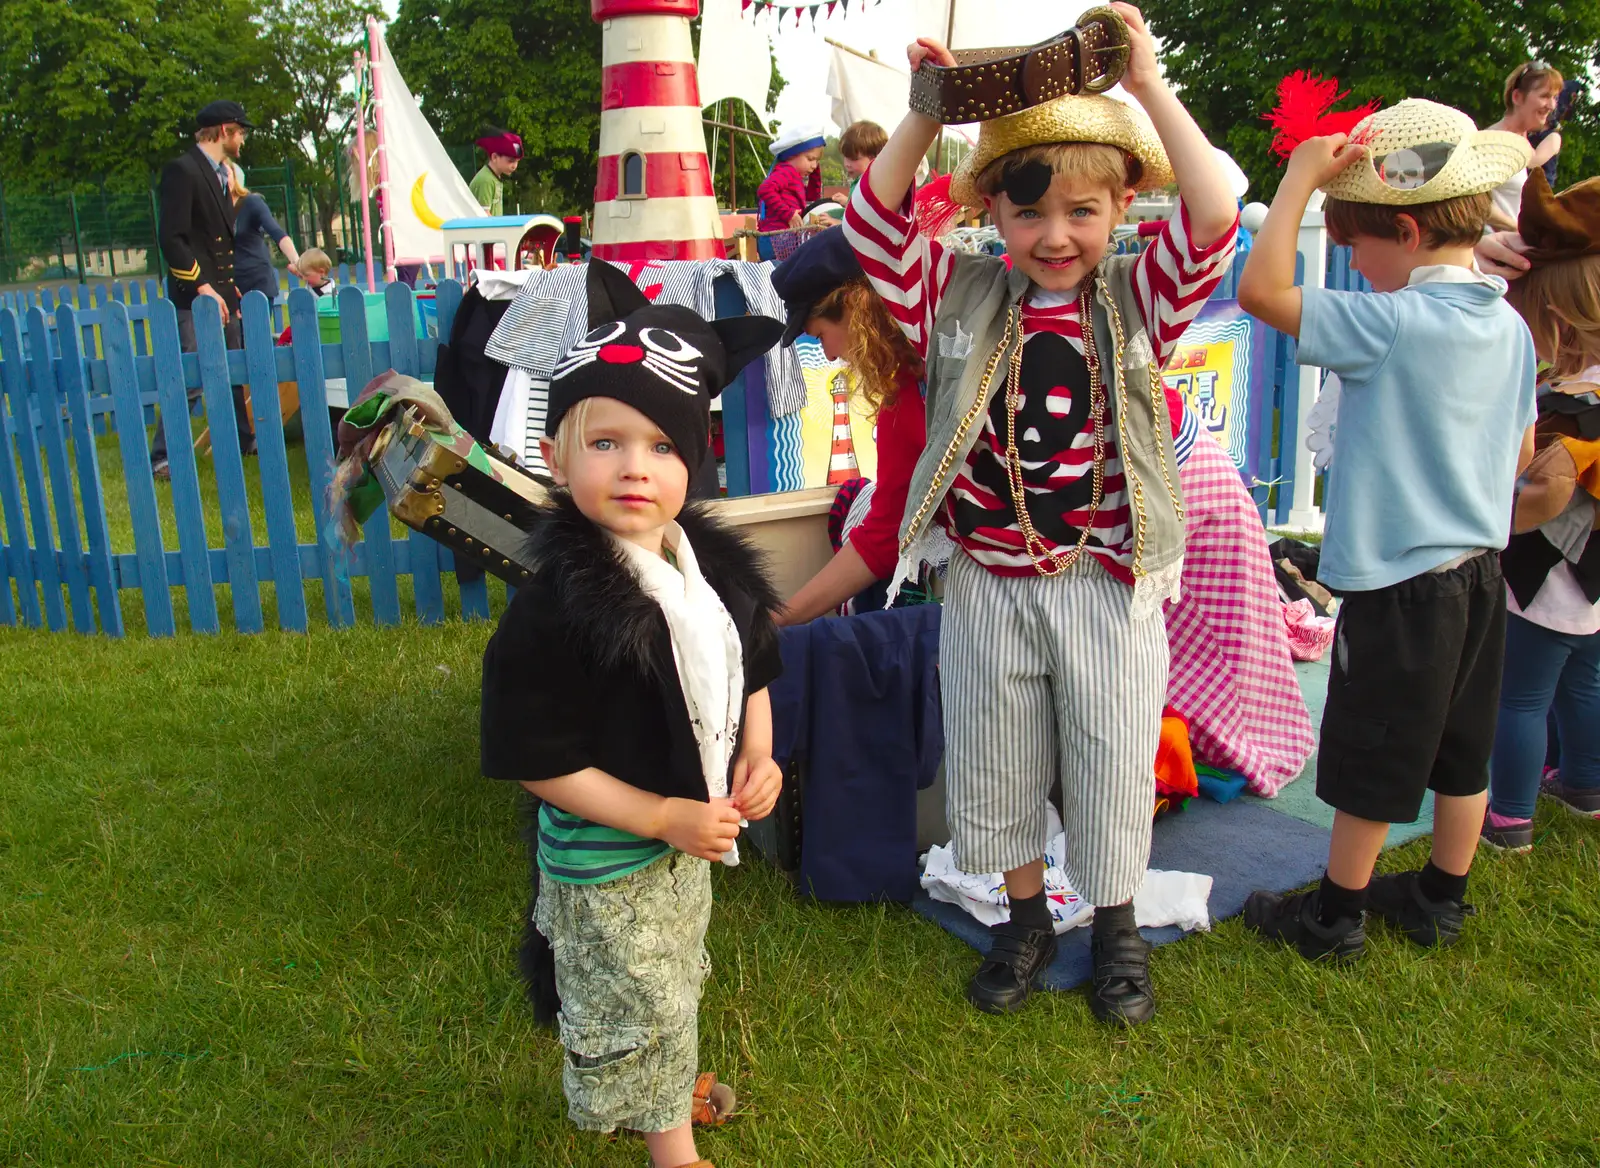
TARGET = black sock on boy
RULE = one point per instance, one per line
(1031, 912)
(1438, 885)
(1336, 902)
(1113, 917)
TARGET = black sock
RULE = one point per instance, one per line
(1032, 912)
(1113, 918)
(1336, 902)
(1436, 884)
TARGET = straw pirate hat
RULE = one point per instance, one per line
(1559, 227)
(1423, 152)
(1074, 118)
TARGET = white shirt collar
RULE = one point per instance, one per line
(1452, 274)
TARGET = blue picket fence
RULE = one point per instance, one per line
(58, 547)
(137, 295)
(83, 370)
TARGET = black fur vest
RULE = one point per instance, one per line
(580, 672)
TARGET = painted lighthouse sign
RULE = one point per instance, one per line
(653, 197)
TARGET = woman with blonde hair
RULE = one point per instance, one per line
(253, 225)
(1531, 92)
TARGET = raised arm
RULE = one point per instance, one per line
(1201, 181)
(1266, 288)
(895, 169)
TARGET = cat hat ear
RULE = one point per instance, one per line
(663, 360)
(612, 295)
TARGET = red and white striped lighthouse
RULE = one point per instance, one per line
(652, 197)
(842, 454)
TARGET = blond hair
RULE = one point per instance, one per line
(877, 350)
(236, 183)
(315, 257)
(1561, 303)
(1527, 77)
(1094, 163)
(568, 438)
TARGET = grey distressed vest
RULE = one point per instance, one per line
(967, 331)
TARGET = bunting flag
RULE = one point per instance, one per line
(801, 7)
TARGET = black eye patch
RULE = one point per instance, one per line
(1026, 182)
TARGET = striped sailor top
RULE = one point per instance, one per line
(1172, 282)
(580, 851)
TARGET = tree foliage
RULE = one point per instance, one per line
(313, 42)
(1227, 56)
(109, 88)
(531, 66)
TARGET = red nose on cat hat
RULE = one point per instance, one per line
(664, 360)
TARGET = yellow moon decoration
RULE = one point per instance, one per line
(419, 204)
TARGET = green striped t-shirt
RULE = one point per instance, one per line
(580, 851)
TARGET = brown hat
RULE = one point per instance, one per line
(1559, 227)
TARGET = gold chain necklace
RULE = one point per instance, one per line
(1013, 329)
(979, 403)
(1163, 422)
(1047, 562)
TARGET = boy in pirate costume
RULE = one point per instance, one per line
(626, 689)
(1434, 423)
(1049, 460)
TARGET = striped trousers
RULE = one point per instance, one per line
(1047, 677)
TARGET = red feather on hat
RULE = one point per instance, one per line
(936, 211)
(1303, 111)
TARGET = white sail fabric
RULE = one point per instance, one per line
(886, 28)
(424, 189)
(735, 58)
(863, 90)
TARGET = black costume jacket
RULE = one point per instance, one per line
(1530, 556)
(580, 672)
(196, 231)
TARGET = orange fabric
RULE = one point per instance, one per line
(1175, 774)
(711, 1107)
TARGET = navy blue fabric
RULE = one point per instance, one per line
(817, 267)
(858, 707)
(253, 225)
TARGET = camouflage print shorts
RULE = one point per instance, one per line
(630, 961)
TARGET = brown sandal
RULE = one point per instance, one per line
(713, 1103)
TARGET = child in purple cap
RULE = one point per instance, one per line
(488, 186)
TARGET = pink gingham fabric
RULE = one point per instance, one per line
(1232, 675)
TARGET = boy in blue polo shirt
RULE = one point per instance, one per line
(1434, 423)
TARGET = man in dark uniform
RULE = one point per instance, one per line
(196, 233)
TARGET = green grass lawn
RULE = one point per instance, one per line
(258, 908)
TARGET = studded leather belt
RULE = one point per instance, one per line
(1090, 57)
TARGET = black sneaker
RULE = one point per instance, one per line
(161, 470)
(1005, 979)
(1583, 801)
(1293, 920)
(1514, 836)
(1119, 989)
(1398, 899)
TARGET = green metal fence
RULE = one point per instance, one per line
(95, 234)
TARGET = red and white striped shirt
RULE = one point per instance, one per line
(1172, 280)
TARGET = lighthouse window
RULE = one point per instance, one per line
(632, 176)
